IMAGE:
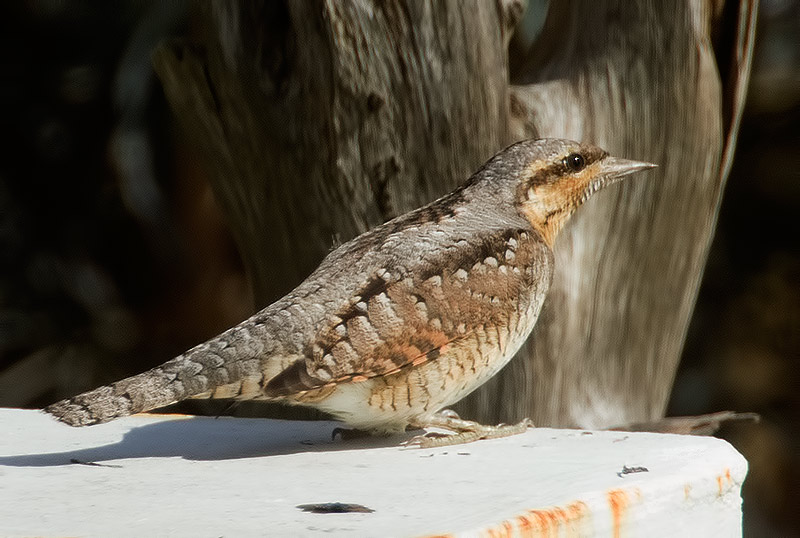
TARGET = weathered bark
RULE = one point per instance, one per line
(639, 79)
(322, 119)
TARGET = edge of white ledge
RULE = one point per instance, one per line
(172, 475)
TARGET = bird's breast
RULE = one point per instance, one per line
(442, 334)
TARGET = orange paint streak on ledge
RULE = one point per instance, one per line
(724, 480)
(573, 519)
(618, 502)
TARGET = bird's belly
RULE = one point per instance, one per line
(415, 393)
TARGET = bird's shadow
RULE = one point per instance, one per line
(201, 438)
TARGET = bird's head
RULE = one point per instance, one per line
(559, 175)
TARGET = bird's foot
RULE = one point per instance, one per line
(464, 431)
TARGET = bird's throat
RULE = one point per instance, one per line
(547, 220)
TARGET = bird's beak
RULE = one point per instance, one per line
(615, 168)
(612, 170)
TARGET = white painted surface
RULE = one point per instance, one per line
(187, 476)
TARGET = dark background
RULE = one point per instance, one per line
(114, 256)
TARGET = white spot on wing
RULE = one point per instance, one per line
(435, 280)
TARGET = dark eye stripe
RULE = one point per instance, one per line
(551, 172)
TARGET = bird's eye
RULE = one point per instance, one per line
(574, 162)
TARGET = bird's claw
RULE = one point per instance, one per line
(466, 432)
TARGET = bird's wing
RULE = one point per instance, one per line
(398, 320)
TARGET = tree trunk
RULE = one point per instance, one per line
(323, 119)
(639, 79)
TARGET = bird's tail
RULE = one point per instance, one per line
(224, 367)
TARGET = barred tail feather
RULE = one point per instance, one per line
(197, 373)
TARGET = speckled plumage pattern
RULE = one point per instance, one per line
(401, 321)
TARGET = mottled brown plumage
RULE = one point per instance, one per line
(403, 320)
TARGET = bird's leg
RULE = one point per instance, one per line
(464, 431)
